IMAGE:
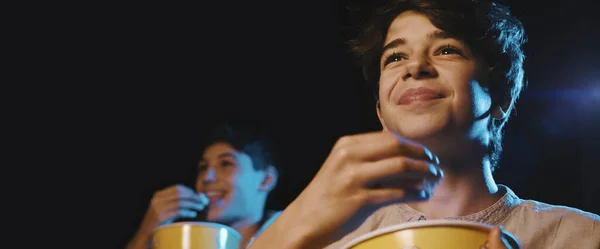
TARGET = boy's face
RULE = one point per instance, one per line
(431, 85)
(227, 176)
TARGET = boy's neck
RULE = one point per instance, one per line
(461, 193)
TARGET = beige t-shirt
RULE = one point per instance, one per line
(536, 225)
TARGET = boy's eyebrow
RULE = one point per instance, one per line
(435, 35)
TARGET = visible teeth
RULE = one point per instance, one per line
(214, 193)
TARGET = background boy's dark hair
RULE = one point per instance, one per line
(252, 137)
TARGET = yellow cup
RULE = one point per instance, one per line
(433, 234)
(195, 235)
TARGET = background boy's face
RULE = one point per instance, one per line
(228, 178)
